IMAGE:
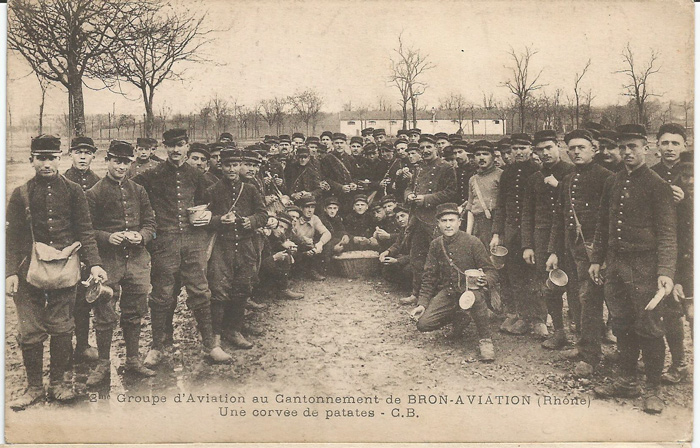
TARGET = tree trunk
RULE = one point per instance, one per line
(77, 106)
(41, 111)
(149, 119)
(522, 115)
(413, 111)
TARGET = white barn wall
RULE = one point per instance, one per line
(481, 126)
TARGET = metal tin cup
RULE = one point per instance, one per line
(498, 256)
(466, 300)
(472, 276)
(196, 212)
(97, 291)
(557, 280)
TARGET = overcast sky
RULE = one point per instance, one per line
(342, 49)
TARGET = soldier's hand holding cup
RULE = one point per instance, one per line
(203, 220)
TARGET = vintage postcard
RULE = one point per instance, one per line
(349, 221)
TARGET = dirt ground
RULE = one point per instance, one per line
(352, 336)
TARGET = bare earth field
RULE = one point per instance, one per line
(347, 337)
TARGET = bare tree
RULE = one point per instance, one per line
(458, 105)
(489, 103)
(43, 85)
(152, 49)
(687, 111)
(637, 77)
(307, 105)
(522, 83)
(406, 69)
(61, 39)
(577, 92)
(273, 111)
(221, 113)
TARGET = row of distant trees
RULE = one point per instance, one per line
(533, 109)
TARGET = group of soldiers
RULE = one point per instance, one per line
(231, 225)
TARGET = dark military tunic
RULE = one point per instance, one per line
(539, 207)
(637, 215)
(139, 167)
(86, 179)
(511, 198)
(436, 181)
(172, 190)
(582, 188)
(464, 173)
(670, 175)
(303, 178)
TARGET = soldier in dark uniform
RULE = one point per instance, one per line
(432, 184)
(396, 260)
(301, 177)
(326, 141)
(402, 134)
(670, 141)
(636, 238)
(237, 211)
(124, 223)
(226, 137)
(450, 255)
(82, 152)
(153, 144)
(402, 178)
(379, 136)
(503, 145)
(144, 157)
(336, 172)
(297, 140)
(179, 250)
(414, 135)
(506, 232)
(441, 141)
(214, 172)
(681, 302)
(277, 260)
(539, 208)
(367, 135)
(570, 241)
(314, 144)
(464, 172)
(609, 155)
(334, 223)
(198, 156)
(58, 213)
(356, 144)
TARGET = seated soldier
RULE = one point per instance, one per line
(396, 259)
(358, 224)
(313, 236)
(443, 282)
(334, 223)
(385, 230)
(277, 258)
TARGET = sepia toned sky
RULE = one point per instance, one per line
(342, 49)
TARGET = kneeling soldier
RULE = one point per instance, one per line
(449, 256)
(124, 223)
(52, 210)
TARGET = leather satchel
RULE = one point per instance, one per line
(50, 268)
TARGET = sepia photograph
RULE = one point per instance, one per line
(349, 221)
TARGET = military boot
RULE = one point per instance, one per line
(60, 351)
(100, 373)
(158, 323)
(133, 365)
(557, 341)
(33, 358)
(212, 343)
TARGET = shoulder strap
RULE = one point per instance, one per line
(487, 212)
(452, 264)
(24, 194)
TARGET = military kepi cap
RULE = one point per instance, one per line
(632, 131)
(83, 143)
(520, 139)
(201, 148)
(146, 142)
(231, 154)
(172, 137)
(121, 149)
(579, 133)
(544, 136)
(447, 208)
(340, 136)
(46, 144)
(483, 145)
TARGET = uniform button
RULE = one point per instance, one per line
(619, 237)
(619, 222)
